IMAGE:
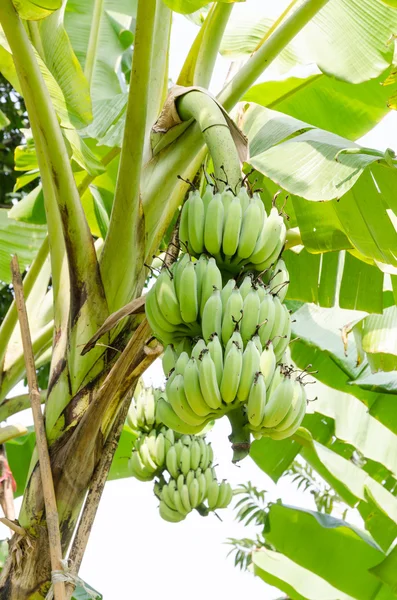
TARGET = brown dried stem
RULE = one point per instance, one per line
(41, 440)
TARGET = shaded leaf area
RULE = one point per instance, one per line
(115, 36)
(20, 450)
(312, 164)
(319, 549)
(18, 238)
(367, 25)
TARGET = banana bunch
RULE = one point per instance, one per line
(189, 453)
(180, 496)
(283, 409)
(235, 229)
(149, 454)
(214, 381)
(175, 303)
(142, 412)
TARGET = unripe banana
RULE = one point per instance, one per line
(194, 493)
(178, 503)
(189, 478)
(226, 292)
(278, 404)
(272, 234)
(138, 469)
(279, 280)
(150, 441)
(169, 437)
(227, 199)
(225, 495)
(276, 434)
(250, 318)
(193, 392)
(256, 404)
(246, 286)
(201, 267)
(209, 477)
(170, 515)
(213, 494)
(184, 226)
(197, 351)
(195, 455)
(160, 449)
(231, 374)
(267, 317)
(166, 414)
(132, 420)
(212, 280)
(277, 378)
(208, 382)
(210, 456)
(207, 197)
(184, 493)
(268, 364)
(165, 336)
(181, 363)
(177, 269)
(145, 456)
(185, 460)
(297, 402)
(258, 344)
(212, 316)
(188, 294)
(167, 496)
(244, 199)
(216, 353)
(180, 482)
(214, 222)
(282, 342)
(169, 359)
(184, 345)
(149, 407)
(178, 401)
(250, 230)
(234, 339)
(204, 454)
(231, 315)
(251, 365)
(231, 232)
(202, 487)
(167, 298)
(196, 223)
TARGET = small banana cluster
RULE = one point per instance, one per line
(235, 229)
(188, 460)
(175, 303)
(279, 412)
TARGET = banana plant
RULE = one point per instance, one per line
(112, 151)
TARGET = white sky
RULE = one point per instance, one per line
(132, 552)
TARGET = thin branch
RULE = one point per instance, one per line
(93, 40)
(41, 440)
(259, 61)
(95, 492)
(126, 233)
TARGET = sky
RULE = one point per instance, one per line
(132, 552)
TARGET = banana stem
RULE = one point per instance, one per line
(240, 437)
(217, 136)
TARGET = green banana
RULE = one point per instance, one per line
(250, 366)
(297, 402)
(196, 224)
(213, 494)
(278, 404)
(231, 374)
(138, 469)
(172, 463)
(185, 498)
(279, 280)
(244, 199)
(145, 456)
(227, 199)
(178, 401)
(194, 493)
(216, 353)
(167, 497)
(208, 381)
(234, 339)
(168, 514)
(231, 315)
(204, 455)
(181, 363)
(207, 197)
(213, 231)
(268, 364)
(195, 455)
(188, 294)
(250, 319)
(169, 359)
(211, 321)
(160, 449)
(225, 495)
(256, 404)
(179, 504)
(166, 414)
(271, 236)
(246, 286)
(258, 344)
(267, 319)
(198, 349)
(184, 226)
(193, 392)
(185, 460)
(212, 280)
(250, 230)
(232, 228)
(167, 299)
(177, 269)
(226, 292)
(202, 487)
(201, 267)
